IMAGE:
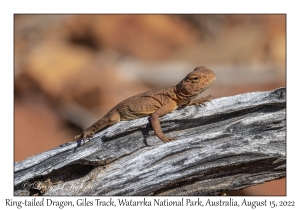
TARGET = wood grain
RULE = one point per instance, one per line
(232, 143)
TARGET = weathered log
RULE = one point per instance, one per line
(229, 144)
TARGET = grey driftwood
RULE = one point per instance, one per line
(232, 143)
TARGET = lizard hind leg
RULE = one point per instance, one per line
(108, 120)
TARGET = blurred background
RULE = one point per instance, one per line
(70, 70)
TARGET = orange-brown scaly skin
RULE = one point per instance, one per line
(157, 103)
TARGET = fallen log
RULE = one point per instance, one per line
(229, 144)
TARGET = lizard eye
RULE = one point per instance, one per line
(194, 78)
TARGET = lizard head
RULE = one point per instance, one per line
(196, 82)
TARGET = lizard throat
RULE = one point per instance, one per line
(182, 96)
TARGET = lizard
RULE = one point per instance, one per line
(157, 103)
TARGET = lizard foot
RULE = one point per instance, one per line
(84, 135)
(202, 101)
(166, 139)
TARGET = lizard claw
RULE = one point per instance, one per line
(166, 140)
(84, 135)
(77, 137)
(202, 101)
(208, 98)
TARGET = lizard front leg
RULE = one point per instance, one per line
(201, 101)
(156, 124)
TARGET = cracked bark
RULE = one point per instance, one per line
(232, 143)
